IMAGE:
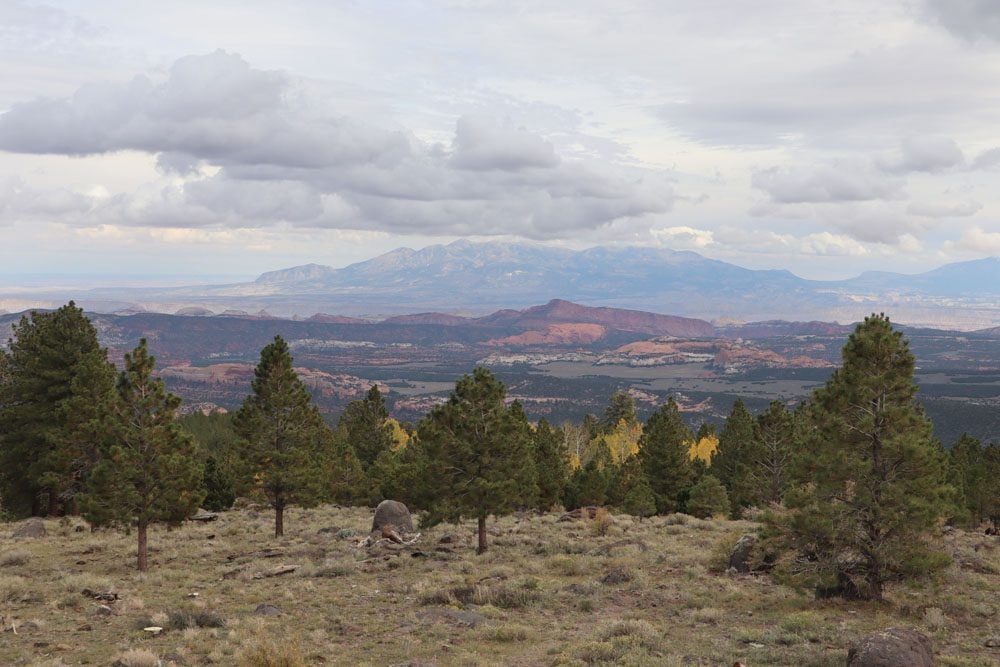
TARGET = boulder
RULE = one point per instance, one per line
(392, 513)
(30, 528)
(739, 558)
(264, 609)
(895, 647)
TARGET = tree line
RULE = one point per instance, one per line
(852, 483)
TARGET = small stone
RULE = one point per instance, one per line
(104, 610)
(447, 539)
(267, 610)
(87, 627)
(992, 642)
(153, 630)
(739, 558)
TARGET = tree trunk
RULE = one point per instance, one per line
(279, 518)
(53, 503)
(482, 535)
(143, 560)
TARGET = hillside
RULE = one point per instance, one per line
(547, 592)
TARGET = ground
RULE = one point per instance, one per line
(535, 598)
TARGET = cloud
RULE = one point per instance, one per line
(483, 143)
(936, 209)
(924, 154)
(244, 147)
(974, 241)
(968, 19)
(988, 159)
(683, 237)
(840, 181)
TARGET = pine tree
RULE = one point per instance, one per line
(735, 457)
(640, 501)
(367, 425)
(148, 470)
(474, 456)
(874, 477)
(54, 377)
(346, 481)
(663, 451)
(621, 408)
(969, 475)
(219, 493)
(283, 434)
(708, 498)
(551, 464)
(991, 504)
(775, 444)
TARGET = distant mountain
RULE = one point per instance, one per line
(478, 276)
(559, 311)
(976, 278)
(438, 283)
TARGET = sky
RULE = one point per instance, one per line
(191, 138)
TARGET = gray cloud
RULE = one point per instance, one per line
(483, 143)
(968, 19)
(988, 159)
(834, 182)
(277, 159)
(925, 154)
(933, 209)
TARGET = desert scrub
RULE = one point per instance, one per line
(565, 565)
(717, 559)
(138, 657)
(506, 633)
(18, 590)
(14, 558)
(265, 650)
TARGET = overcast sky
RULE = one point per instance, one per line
(193, 137)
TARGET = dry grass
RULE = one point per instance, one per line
(536, 598)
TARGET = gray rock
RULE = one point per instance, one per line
(104, 610)
(895, 647)
(739, 558)
(992, 642)
(392, 513)
(30, 528)
(267, 610)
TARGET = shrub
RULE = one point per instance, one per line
(708, 498)
(602, 522)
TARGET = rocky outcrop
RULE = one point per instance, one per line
(895, 647)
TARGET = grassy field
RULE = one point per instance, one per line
(547, 593)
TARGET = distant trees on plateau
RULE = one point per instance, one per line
(851, 481)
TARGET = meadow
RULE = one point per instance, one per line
(548, 592)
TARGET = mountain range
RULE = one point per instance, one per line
(474, 279)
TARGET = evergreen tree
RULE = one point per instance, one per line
(367, 425)
(734, 460)
(663, 452)
(283, 434)
(587, 486)
(640, 501)
(708, 498)
(54, 378)
(775, 435)
(621, 408)
(474, 456)
(148, 470)
(874, 477)
(991, 464)
(551, 464)
(346, 481)
(969, 475)
(219, 493)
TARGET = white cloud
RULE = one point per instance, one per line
(839, 181)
